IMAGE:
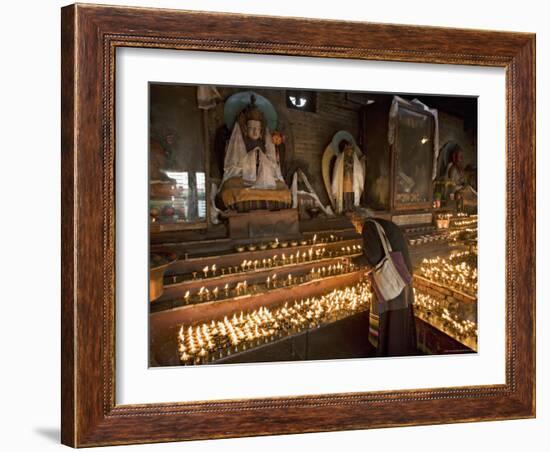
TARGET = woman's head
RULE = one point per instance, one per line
(359, 216)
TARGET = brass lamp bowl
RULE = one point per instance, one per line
(158, 264)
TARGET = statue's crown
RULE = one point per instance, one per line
(251, 112)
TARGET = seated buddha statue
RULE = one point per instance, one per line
(252, 176)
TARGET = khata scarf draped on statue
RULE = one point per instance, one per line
(257, 168)
(338, 185)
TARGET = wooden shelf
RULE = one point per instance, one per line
(176, 291)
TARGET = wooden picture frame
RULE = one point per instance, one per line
(397, 206)
(90, 37)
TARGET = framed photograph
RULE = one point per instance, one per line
(282, 225)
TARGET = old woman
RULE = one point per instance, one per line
(391, 322)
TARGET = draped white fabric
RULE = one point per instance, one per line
(242, 163)
(338, 180)
(299, 174)
(235, 155)
(207, 97)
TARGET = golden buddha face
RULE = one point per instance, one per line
(254, 129)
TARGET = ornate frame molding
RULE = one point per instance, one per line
(90, 37)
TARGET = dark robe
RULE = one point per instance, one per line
(395, 323)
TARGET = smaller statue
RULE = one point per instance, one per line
(456, 181)
(346, 183)
(455, 169)
(346, 154)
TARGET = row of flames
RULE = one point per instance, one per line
(457, 272)
(205, 342)
(247, 265)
